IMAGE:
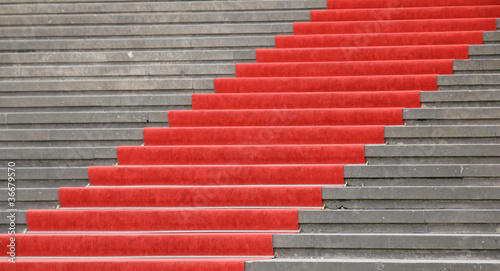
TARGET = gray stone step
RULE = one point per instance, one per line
(476, 66)
(157, 70)
(20, 221)
(88, 103)
(491, 37)
(62, 156)
(146, 30)
(403, 221)
(141, 43)
(471, 134)
(153, 7)
(486, 51)
(393, 246)
(452, 116)
(412, 197)
(49, 177)
(433, 154)
(370, 264)
(106, 87)
(133, 56)
(422, 175)
(156, 18)
(30, 198)
(469, 81)
(462, 98)
(83, 120)
(71, 137)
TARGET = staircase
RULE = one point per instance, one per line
(78, 78)
(257, 170)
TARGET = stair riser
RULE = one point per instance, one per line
(397, 227)
(380, 204)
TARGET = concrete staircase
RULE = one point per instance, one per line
(79, 78)
(426, 200)
(75, 86)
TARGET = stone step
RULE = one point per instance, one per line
(402, 221)
(156, 70)
(176, 44)
(472, 134)
(125, 86)
(183, 30)
(18, 226)
(476, 66)
(93, 103)
(462, 98)
(370, 264)
(422, 175)
(71, 137)
(31, 198)
(62, 156)
(452, 116)
(133, 56)
(469, 81)
(491, 37)
(433, 154)
(55, 120)
(49, 177)
(156, 18)
(486, 51)
(393, 246)
(161, 6)
(412, 197)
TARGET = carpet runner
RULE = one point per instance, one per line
(209, 192)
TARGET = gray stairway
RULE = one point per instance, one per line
(79, 78)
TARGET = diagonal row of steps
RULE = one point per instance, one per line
(427, 200)
(90, 205)
(76, 80)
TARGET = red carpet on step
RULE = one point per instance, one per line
(379, 39)
(286, 117)
(217, 175)
(164, 219)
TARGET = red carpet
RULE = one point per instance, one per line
(344, 68)
(93, 264)
(379, 39)
(405, 13)
(217, 175)
(241, 155)
(164, 220)
(372, 99)
(289, 117)
(354, 4)
(437, 25)
(248, 157)
(130, 244)
(362, 53)
(326, 84)
(191, 196)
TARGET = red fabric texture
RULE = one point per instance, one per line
(354, 4)
(93, 264)
(191, 196)
(218, 175)
(241, 155)
(264, 135)
(362, 53)
(83, 245)
(325, 84)
(492, 11)
(308, 69)
(409, 99)
(290, 117)
(483, 24)
(163, 220)
(379, 39)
